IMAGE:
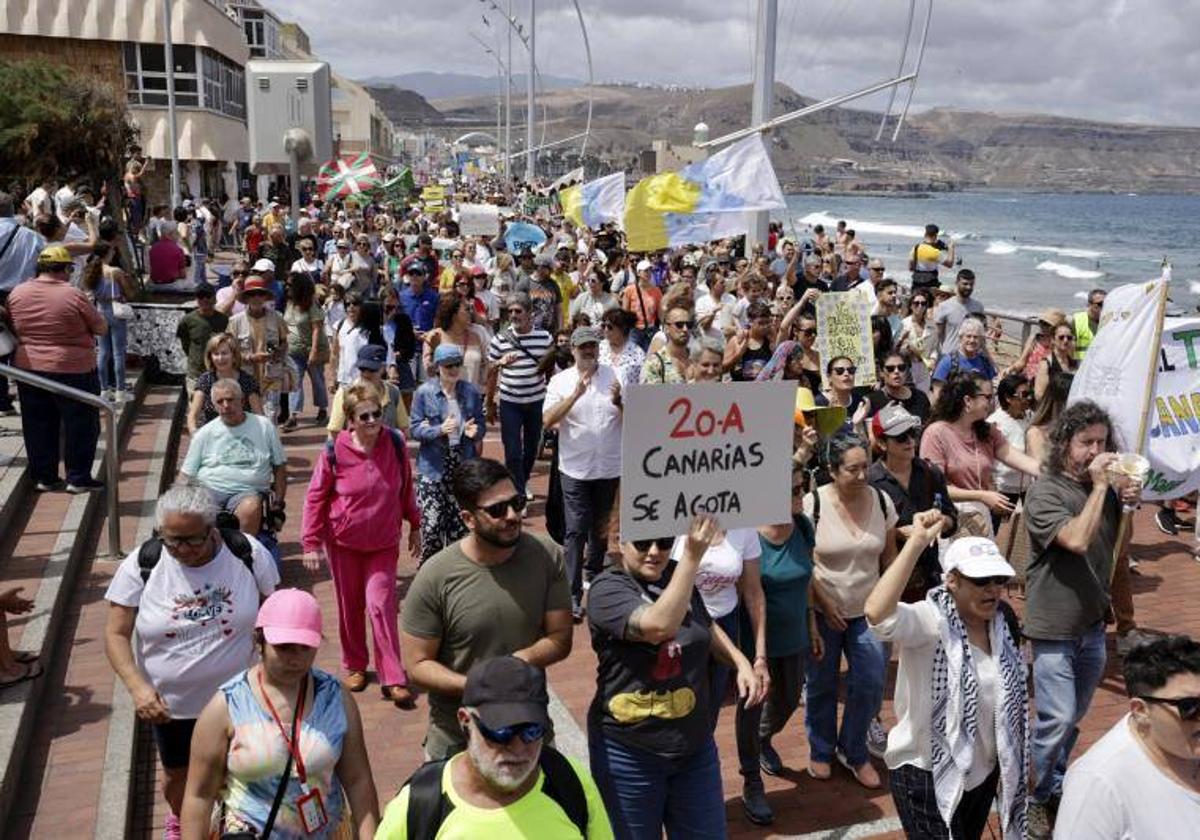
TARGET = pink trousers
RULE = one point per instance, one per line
(365, 582)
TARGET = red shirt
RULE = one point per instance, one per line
(56, 325)
(168, 263)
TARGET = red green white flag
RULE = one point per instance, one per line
(346, 176)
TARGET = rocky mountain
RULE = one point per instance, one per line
(443, 85)
(938, 149)
(405, 107)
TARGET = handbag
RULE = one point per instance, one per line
(8, 341)
(122, 310)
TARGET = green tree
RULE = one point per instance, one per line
(55, 122)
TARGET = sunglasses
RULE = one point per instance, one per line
(527, 732)
(988, 395)
(919, 302)
(895, 368)
(662, 543)
(683, 325)
(451, 365)
(369, 416)
(842, 371)
(1188, 707)
(994, 580)
(807, 331)
(1065, 337)
(496, 510)
(190, 542)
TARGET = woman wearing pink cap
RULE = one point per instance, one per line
(362, 491)
(961, 695)
(281, 744)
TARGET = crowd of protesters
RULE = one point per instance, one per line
(397, 327)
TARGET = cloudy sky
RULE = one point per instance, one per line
(1126, 60)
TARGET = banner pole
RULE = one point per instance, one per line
(1143, 419)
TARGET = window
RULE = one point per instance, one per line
(203, 78)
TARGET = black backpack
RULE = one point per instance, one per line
(428, 805)
(149, 553)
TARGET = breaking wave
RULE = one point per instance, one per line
(1068, 271)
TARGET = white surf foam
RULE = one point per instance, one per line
(1194, 287)
(997, 246)
(1002, 247)
(1068, 271)
(1081, 295)
(864, 226)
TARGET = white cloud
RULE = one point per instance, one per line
(1098, 59)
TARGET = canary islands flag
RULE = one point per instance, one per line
(706, 200)
(596, 202)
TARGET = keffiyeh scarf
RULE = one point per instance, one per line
(954, 723)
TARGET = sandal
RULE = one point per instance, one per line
(32, 671)
(858, 774)
(823, 775)
(401, 696)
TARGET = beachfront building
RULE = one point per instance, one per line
(360, 123)
(122, 42)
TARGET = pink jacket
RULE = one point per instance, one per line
(363, 505)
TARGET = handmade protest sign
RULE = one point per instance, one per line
(844, 329)
(478, 219)
(721, 448)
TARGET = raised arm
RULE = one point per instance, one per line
(656, 623)
(881, 603)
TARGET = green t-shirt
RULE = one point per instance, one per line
(193, 332)
(235, 459)
(786, 571)
(299, 330)
(479, 612)
(533, 815)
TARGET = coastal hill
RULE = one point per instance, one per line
(939, 149)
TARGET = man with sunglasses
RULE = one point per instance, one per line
(505, 716)
(1140, 779)
(1072, 512)
(495, 592)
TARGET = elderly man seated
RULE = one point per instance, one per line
(239, 459)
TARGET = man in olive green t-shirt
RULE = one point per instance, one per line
(196, 328)
(495, 592)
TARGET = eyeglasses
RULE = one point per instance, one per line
(988, 395)
(662, 543)
(1188, 707)
(840, 370)
(1022, 394)
(369, 416)
(900, 368)
(682, 325)
(527, 732)
(499, 509)
(194, 541)
(994, 580)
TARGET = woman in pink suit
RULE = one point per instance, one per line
(361, 492)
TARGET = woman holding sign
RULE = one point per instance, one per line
(650, 736)
(855, 538)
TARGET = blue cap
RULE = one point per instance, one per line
(448, 354)
(371, 357)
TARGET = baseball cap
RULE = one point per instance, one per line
(290, 617)
(263, 264)
(371, 357)
(644, 265)
(448, 354)
(506, 691)
(415, 267)
(976, 557)
(255, 285)
(1051, 316)
(585, 335)
(893, 419)
(54, 255)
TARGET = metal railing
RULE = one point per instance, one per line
(112, 467)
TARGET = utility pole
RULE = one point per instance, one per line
(764, 93)
(508, 102)
(172, 138)
(530, 154)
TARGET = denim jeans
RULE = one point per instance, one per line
(316, 375)
(520, 432)
(587, 504)
(111, 360)
(198, 274)
(50, 422)
(6, 400)
(1065, 676)
(865, 672)
(645, 792)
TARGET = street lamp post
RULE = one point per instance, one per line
(172, 138)
(530, 154)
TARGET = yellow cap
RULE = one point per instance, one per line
(54, 255)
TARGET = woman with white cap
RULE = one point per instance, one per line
(961, 695)
(281, 744)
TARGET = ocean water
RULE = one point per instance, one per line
(1028, 250)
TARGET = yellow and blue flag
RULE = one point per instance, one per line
(707, 200)
(596, 202)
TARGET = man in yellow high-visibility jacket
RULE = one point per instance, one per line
(1087, 323)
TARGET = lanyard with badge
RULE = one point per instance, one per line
(309, 804)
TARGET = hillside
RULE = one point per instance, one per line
(405, 107)
(938, 149)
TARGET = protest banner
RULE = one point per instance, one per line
(433, 196)
(478, 219)
(1173, 444)
(720, 448)
(844, 329)
(521, 235)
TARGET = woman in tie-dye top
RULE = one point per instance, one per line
(242, 739)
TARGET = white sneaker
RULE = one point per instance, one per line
(107, 394)
(119, 397)
(876, 739)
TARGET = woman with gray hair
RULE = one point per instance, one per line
(192, 593)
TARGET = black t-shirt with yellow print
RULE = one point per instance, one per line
(648, 697)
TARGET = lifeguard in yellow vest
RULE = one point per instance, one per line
(1087, 322)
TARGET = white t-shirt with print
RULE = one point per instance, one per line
(195, 625)
(721, 568)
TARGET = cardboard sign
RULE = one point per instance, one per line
(433, 196)
(478, 219)
(721, 448)
(844, 329)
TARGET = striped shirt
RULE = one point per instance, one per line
(520, 381)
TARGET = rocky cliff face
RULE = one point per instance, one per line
(938, 149)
